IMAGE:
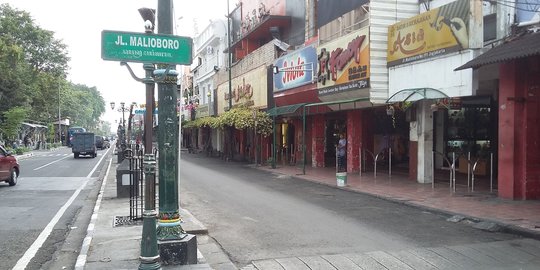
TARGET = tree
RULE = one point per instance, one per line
(86, 105)
(32, 63)
(42, 51)
(34, 67)
(13, 119)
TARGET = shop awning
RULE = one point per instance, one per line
(337, 102)
(288, 109)
(520, 47)
(415, 94)
(31, 125)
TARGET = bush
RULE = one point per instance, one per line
(19, 151)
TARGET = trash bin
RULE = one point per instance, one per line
(341, 178)
(123, 183)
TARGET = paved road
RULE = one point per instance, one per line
(265, 221)
(42, 208)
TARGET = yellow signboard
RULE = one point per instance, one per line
(438, 31)
(249, 89)
(344, 64)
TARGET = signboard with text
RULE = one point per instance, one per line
(343, 64)
(296, 69)
(435, 32)
(146, 48)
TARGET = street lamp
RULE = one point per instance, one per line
(149, 256)
(122, 133)
(229, 59)
(122, 109)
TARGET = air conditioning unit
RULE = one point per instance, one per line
(209, 50)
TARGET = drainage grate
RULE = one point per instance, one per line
(125, 221)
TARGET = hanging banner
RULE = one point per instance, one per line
(436, 32)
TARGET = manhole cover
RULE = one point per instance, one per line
(125, 221)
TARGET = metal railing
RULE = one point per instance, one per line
(451, 165)
(472, 165)
(376, 157)
(135, 155)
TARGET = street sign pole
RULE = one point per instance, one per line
(166, 51)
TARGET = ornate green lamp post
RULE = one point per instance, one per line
(175, 246)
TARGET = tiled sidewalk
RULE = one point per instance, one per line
(519, 216)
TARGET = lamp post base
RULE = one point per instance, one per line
(149, 258)
(183, 251)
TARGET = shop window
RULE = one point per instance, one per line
(470, 132)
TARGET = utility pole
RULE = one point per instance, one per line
(59, 119)
(229, 57)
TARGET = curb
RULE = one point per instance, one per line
(24, 156)
(81, 259)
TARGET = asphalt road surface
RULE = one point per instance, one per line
(256, 215)
(40, 211)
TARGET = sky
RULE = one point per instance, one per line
(79, 24)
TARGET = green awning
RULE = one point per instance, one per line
(288, 109)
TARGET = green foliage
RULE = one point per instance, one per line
(13, 119)
(34, 66)
(207, 121)
(239, 118)
(51, 132)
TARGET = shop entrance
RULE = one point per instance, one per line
(334, 127)
(391, 135)
(288, 144)
(468, 132)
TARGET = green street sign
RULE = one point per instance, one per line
(146, 48)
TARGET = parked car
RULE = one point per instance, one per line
(9, 167)
(99, 142)
(84, 143)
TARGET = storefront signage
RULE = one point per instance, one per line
(436, 32)
(343, 64)
(243, 90)
(449, 103)
(202, 111)
(250, 89)
(296, 69)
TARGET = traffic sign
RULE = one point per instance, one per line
(146, 48)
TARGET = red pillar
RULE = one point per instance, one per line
(354, 139)
(532, 94)
(317, 140)
(512, 143)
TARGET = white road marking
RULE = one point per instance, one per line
(33, 249)
(23, 262)
(41, 167)
(97, 164)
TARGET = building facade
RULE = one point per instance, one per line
(386, 75)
